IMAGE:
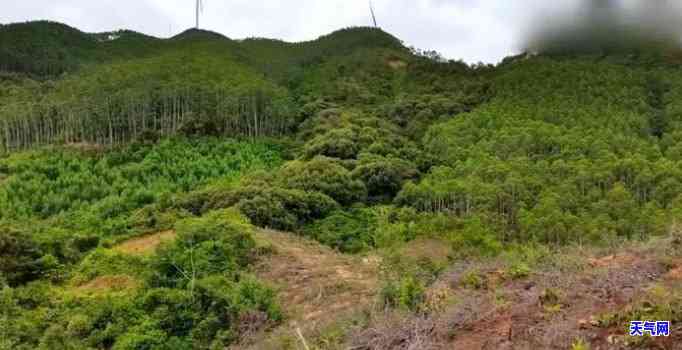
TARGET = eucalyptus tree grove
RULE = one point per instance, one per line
(124, 116)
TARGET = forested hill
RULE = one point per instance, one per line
(65, 85)
(47, 49)
(351, 140)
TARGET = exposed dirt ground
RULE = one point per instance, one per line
(524, 321)
(315, 285)
(550, 309)
(314, 281)
(105, 284)
(146, 244)
(121, 282)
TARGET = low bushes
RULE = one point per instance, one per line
(324, 175)
(21, 259)
(349, 231)
(195, 294)
(218, 243)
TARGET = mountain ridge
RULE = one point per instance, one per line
(49, 48)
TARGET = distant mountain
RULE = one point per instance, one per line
(114, 80)
(44, 49)
(198, 34)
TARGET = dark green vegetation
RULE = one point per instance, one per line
(352, 140)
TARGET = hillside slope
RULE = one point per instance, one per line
(110, 88)
(441, 197)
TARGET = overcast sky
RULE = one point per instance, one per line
(473, 30)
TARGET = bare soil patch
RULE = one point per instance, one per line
(316, 286)
(145, 244)
(313, 281)
(550, 309)
(396, 64)
(106, 284)
(526, 321)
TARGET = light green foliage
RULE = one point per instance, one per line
(473, 280)
(46, 183)
(565, 150)
(101, 262)
(394, 226)
(580, 344)
(196, 296)
(406, 293)
(405, 280)
(518, 271)
(58, 204)
(218, 243)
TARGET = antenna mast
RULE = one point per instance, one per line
(371, 10)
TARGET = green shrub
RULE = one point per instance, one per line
(407, 293)
(102, 262)
(197, 297)
(394, 226)
(210, 314)
(21, 260)
(323, 175)
(146, 335)
(282, 208)
(337, 143)
(476, 237)
(473, 280)
(350, 231)
(384, 177)
(246, 295)
(405, 279)
(580, 344)
(218, 243)
(518, 271)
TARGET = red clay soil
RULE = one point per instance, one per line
(524, 323)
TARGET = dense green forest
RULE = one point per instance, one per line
(352, 140)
